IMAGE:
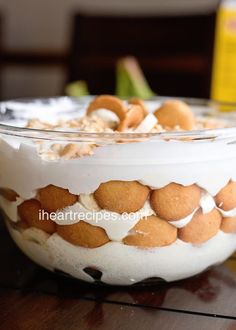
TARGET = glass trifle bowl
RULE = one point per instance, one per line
(119, 192)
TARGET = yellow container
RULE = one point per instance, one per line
(224, 65)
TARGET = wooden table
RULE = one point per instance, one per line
(33, 298)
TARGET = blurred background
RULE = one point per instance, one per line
(46, 44)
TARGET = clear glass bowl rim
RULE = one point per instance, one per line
(78, 136)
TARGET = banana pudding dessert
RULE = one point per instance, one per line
(119, 192)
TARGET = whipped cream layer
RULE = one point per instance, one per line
(122, 264)
(156, 163)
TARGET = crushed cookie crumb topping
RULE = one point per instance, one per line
(131, 117)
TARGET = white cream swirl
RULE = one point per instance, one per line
(10, 208)
(116, 225)
(206, 203)
(183, 222)
(228, 214)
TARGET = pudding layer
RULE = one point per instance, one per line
(122, 264)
